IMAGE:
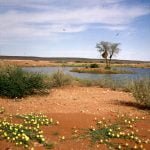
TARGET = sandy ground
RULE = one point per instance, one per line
(90, 100)
(74, 106)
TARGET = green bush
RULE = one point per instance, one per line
(94, 66)
(59, 79)
(16, 83)
(141, 91)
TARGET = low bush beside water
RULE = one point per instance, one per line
(59, 79)
(141, 91)
(16, 83)
(94, 66)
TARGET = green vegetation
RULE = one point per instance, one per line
(94, 66)
(141, 91)
(59, 79)
(16, 83)
(122, 85)
(25, 133)
(121, 134)
(101, 71)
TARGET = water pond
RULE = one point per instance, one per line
(139, 72)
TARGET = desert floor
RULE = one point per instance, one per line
(75, 107)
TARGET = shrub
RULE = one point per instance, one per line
(14, 82)
(94, 66)
(86, 82)
(59, 79)
(107, 67)
(141, 91)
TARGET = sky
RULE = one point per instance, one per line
(71, 28)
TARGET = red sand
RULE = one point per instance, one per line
(74, 107)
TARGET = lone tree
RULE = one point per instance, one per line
(103, 48)
(107, 51)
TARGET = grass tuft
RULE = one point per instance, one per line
(59, 79)
(141, 91)
(16, 83)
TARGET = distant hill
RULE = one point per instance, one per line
(67, 59)
(46, 58)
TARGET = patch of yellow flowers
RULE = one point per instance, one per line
(106, 132)
(23, 134)
(36, 119)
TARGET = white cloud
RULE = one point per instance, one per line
(44, 4)
(49, 22)
(114, 27)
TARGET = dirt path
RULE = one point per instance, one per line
(74, 107)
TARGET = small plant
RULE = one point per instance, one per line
(36, 120)
(94, 66)
(107, 68)
(24, 133)
(2, 110)
(16, 83)
(141, 91)
(115, 135)
(59, 79)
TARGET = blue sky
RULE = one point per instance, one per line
(71, 28)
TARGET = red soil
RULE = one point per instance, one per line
(75, 107)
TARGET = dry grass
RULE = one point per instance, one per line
(41, 63)
(101, 70)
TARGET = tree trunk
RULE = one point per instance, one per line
(110, 60)
(107, 65)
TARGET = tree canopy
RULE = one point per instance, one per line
(107, 51)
